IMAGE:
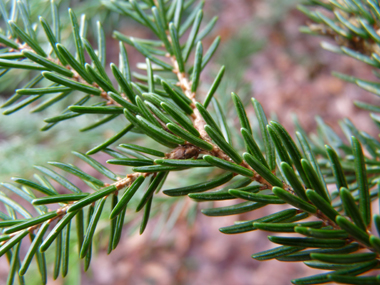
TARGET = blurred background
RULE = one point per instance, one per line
(267, 58)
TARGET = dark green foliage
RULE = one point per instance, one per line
(127, 196)
(294, 200)
(199, 187)
(262, 170)
(163, 104)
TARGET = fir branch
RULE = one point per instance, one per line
(185, 126)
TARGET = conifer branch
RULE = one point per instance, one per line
(175, 118)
